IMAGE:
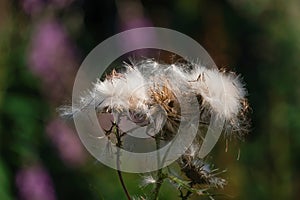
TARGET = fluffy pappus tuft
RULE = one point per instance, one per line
(147, 180)
(147, 83)
(158, 97)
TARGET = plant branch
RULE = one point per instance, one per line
(119, 145)
(160, 175)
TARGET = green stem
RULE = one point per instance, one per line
(158, 185)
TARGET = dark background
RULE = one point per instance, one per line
(43, 42)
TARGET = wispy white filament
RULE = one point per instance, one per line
(147, 180)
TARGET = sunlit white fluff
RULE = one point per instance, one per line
(110, 93)
(137, 87)
(147, 180)
(128, 90)
(222, 92)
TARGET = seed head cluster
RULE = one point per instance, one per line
(148, 92)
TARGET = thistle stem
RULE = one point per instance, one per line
(160, 175)
(123, 185)
(158, 184)
(119, 145)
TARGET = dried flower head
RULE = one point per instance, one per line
(146, 84)
(148, 93)
(200, 172)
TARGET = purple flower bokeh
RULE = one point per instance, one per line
(52, 57)
(67, 142)
(61, 3)
(131, 15)
(32, 7)
(34, 183)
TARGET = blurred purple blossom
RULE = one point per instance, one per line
(32, 7)
(34, 183)
(52, 57)
(61, 3)
(67, 142)
(131, 15)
